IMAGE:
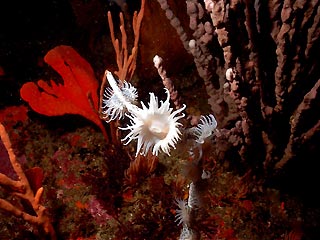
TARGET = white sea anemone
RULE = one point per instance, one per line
(205, 128)
(193, 199)
(154, 127)
(186, 233)
(114, 107)
(182, 213)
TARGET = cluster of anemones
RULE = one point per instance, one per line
(156, 126)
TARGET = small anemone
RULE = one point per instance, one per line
(186, 233)
(182, 213)
(114, 108)
(205, 128)
(193, 199)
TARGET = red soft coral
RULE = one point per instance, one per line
(77, 94)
